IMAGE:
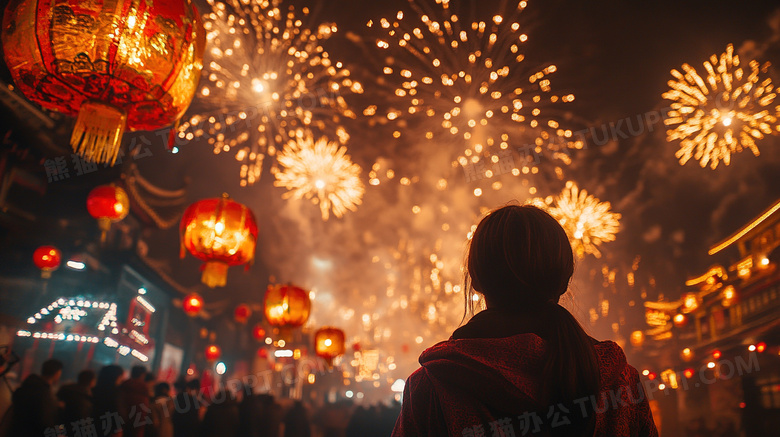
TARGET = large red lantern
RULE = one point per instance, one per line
(48, 259)
(258, 332)
(108, 204)
(329, 343)
(213, 352)
(287, 306)
(221, 233)
(242, 313)
(192, 304)
(117, 65)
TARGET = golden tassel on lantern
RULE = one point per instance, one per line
(214, 274)
(97, 135)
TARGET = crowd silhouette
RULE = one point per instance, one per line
(113, 403)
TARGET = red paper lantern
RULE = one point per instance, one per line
(258, 332)
(242, 313)
(262, 353)
(221, 233)
(108, 204)
(117, 65)
(48, 259)
(287, 306)
(192, 304)
(356, 347)
(213, 352)
(329, 343)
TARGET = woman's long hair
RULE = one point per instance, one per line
(520, 260)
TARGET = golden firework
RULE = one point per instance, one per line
(722, 113)
(267, 75)
(587, 221)
(468, 79)
(322, 172)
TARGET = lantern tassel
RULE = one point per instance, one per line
(105, 225)
(97, 135)
(214, 274)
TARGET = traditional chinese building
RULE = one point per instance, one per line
(719, 343)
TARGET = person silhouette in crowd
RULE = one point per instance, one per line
(296, 421)
(109, 410)
(162, 410)
(186, 411)
(135, 396)
(77, 398)
(250, 414)
(35, 408)
(222, 418)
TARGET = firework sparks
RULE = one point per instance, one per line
(322, 172)
(469, 79)
(267, 75)
(723, 113)
(588, 221)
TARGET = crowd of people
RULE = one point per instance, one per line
(108, 404)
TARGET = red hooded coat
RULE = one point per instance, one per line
(492, 387)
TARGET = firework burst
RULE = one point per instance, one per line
(722, 113)
(467, 79)
(266, 75)
(322, 172)
(587, 221)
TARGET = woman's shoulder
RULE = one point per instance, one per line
(613, 365)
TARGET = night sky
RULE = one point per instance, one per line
(615, 56)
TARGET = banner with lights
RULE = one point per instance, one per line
(86, 321)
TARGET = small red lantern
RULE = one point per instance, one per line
(258, 332)
(716, 354)
(680, 320)
(689, 373)
(242, 313)
(108, 204)
(221, 233)
(761, 347)
(651, 376)
(262, 353)
(48, 259)
(329, 343)
(192, 304)
(356, 346)
(287, 306)
(213, 352)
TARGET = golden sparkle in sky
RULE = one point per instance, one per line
(267, 75)
(322, 172)
(722, 113)
(587, 221)
(467, 79)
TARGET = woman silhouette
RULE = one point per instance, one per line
(524, 365)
